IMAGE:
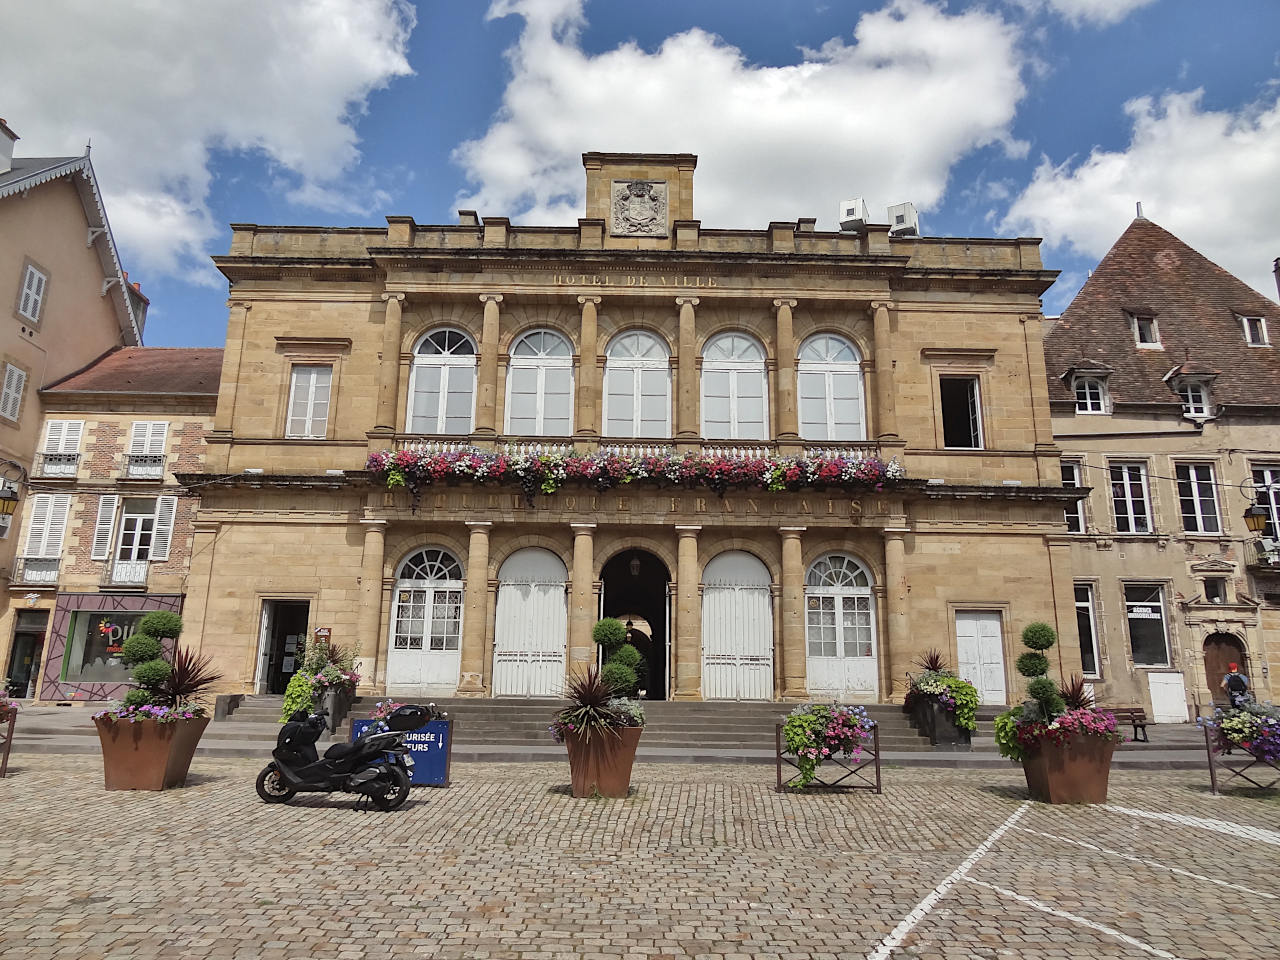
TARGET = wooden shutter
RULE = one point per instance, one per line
(38, 525)
(48, 524)
(63, 436)
(148, 437)
(32, 293)
(11, 395)
(166, 509)
(105, 527)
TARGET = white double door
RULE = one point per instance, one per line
(980, 653)
(426, 640)
(841, 640)
(531, 627)
(737, 642)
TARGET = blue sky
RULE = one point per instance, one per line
(1010, 117)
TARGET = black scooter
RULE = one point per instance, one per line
(376, 765)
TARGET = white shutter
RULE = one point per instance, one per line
(166, 508)
(104, 528)
(32, 293)
(156, 437)
(48, 524)
(38, 525)
(11, 396)
(63, 436)
(148, 437)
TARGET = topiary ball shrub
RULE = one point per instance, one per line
(609, 633)
(163, 624)
(137, 698)
(627, 655)
(140, 648)
(1039, 636)
(1033, 664)
(620, 678)
(152, 673)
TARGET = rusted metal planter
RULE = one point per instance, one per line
(1072, 772)
(147, 754)
(602, 765)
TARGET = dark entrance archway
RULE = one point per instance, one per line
(1221, 650)
(635, 588)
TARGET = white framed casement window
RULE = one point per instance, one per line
(1255, 331)
(1075, 513)
(1195, 398)
(60, 452)
(1130, 499)
(309, 388)
(540, 386)
(15, 382)
(734, 389)
(1091, 395)
(1146, 334)
(829, 390)
(1087, 627)
(131, 533)
(1266, 493)
(146, 450)
(31, 298)
(1198, 498)
(442, 384)
(1144, 611)
(45, 531)
(637, 386)
(961, 405)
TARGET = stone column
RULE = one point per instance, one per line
(370, 639)
(224, 415)
(475, 612)
(886, 414)
(487, 374)
(688, 646)
(794, 660)
(688, 422)
(894, 650)
(389, 371)
(582, 610)
(785, 390)
(588, 386)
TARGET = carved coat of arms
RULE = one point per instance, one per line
(639, 208)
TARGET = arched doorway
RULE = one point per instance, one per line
(635, 590)
(426, 625)
(737, 628)
(530, 625)
(1221, 650)
(840, 631)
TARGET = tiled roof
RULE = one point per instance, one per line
(181, 371)
(1197, 306)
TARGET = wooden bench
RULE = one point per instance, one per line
(1135, 716)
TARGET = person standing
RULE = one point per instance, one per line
(1236, 685)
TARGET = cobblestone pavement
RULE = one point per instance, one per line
(504, 864)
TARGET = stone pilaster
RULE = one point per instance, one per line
(487, 374)
(687, 662)
(886, 412)
(475, 612)
(794, 661)
(688, 424)
(389, 371)
(894, 651)
(588, 387)
(785, 381)
(371, 640)
(582, 608)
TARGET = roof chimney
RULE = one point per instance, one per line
(7, 139)
(1140, 216)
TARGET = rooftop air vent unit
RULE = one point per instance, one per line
(853, 214)
(903, 221)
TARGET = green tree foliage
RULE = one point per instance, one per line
(609, 633)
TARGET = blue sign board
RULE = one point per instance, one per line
(430, 747)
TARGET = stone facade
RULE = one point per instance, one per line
(330, 358)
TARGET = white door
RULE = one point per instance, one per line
(840, 634)
(980, 653)
(737, 629)
(426, 626)
(531, 625)
(1168, 698)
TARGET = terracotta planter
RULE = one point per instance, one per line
(602, 765)
(146, 754)
(1072, 772)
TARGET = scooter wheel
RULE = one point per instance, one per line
(397, 790)
(271, 786)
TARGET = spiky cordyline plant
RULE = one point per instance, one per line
(932, 660)
(191, 676)
(589, 711)
(1076, 694)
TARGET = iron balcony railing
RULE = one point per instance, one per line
(36, 571)
(144, 466)
(58, 465)
(729, 449)
(125, 573)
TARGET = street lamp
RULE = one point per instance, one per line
(8, 501)
(1255, 518)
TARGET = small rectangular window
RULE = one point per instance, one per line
(1195, 399)
(15, 381)
(1145, 331)
(1215, 589)
(32, 296)
(1144, 609)
(1075, 512)
(961, 413)
(1087, 626)
(1198, 498)
(1091, 395)
(309, 401)
(1129, 497)
(1255, 331)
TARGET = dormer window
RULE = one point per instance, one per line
(1145, 332)
(1091, 395)
(1195, 398)
(1255, 331)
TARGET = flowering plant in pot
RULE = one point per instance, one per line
(327, 675)
(1252, 727)
(942, 705)
(149, 739)
(601, 731)
(814, 732)
(1062, 741)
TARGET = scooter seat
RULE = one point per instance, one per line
(338, 751)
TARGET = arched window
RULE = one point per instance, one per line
(442, 386)
(1091, 395)
(428, 602)
(829, 388)
(733, 389)
(840, 627)
(637, 386)
(540, 386)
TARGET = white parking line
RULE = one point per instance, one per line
(1257, 834)
(1101, 928)
(955, 876)
(1150, 863)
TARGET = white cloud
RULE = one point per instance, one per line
(1098, 13)
(1207, 176)
(884, 117)
(159, 86)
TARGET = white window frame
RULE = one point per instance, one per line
(60, 452)
(1127, 467)
(48, 515)
(35, 284)
(1195, 398)
(1076, 469)
(1135, 322)
(975, 410)
(1265, 340)
(1199, 483)
(15, 384)
(736, 369)
(634, 368)
(449, 365)
(1266, 493)
(1090, 403)
(828, 369)
(1164, 618)
(1088, 605)
(313, 427)
(109, 529)
(541, 364)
